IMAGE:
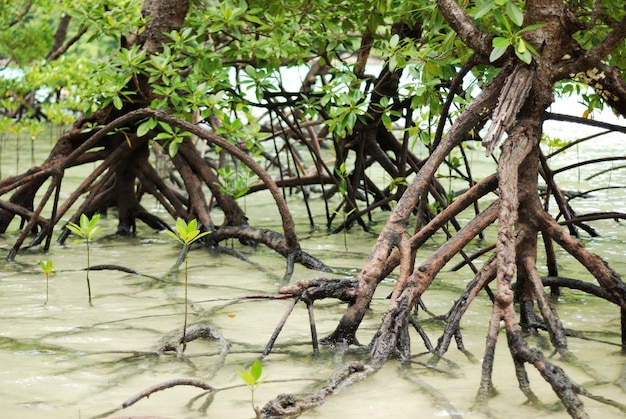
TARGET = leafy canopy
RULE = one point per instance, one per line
(227, 60)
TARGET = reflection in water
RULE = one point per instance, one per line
(66, 359)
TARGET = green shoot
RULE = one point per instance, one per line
(185, 235)
(47, 269)
(342, 173)
(86, 230)
(252, 378)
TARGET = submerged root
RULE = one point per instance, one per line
(156, 388)
(174, 340)
(291, 406)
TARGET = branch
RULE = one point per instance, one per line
(606, 80)
(604, 48)
(462, 24)
(585, 121)
(19, 17)
(61, 49)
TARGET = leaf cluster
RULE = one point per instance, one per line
(46, 266)
(252, 377)
(186, 233)
(87, 228)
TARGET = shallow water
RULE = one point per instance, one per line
(66, 359)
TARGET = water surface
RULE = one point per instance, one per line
(66, 359)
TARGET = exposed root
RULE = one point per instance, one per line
(156, 388)
(174, 341)
(291, 406)
(271, 239)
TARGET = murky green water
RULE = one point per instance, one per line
(69, 360)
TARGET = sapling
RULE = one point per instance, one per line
(86, 230)
(252, 378)
(185, 235)
(47, 269)
(343, 190)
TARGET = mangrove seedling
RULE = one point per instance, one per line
(252, 378)
(185, 235)
(86, 230)
(47, 269)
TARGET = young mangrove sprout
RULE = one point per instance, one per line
(47, 269)
(86, 230)
(252, 378)
(185, 235)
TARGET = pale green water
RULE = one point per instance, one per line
(70, 360)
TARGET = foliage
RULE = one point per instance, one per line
(252, 378)
(239, 68)
(255, 40)
(87, 229)
(47, 268)
(186, 234)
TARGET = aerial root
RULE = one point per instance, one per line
(309, 306)
(420, 330)
(283, 320)
(453, 318)
(279, 327)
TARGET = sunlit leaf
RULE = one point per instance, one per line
(496, 53)
(143, 128)
(393, 42)
(247, 378)
(514, 13)
(256, 369)
(525, 56)
(500, 42)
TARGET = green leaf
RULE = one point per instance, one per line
(496, 53)
(74, 229)
(117, 102)
(192, 225)
(531, 27)
(87, 228)
(143, 128)
(46, 266)
(247, 378)
(187, 233)
(486, 9)
(514, 13)
(181, 227)
(393, 42)
(256, 370)
(530, 48)
(500, 42)
(393, 63)
(525, 56)
(173, 149)
(175, 236)
(166, 127)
